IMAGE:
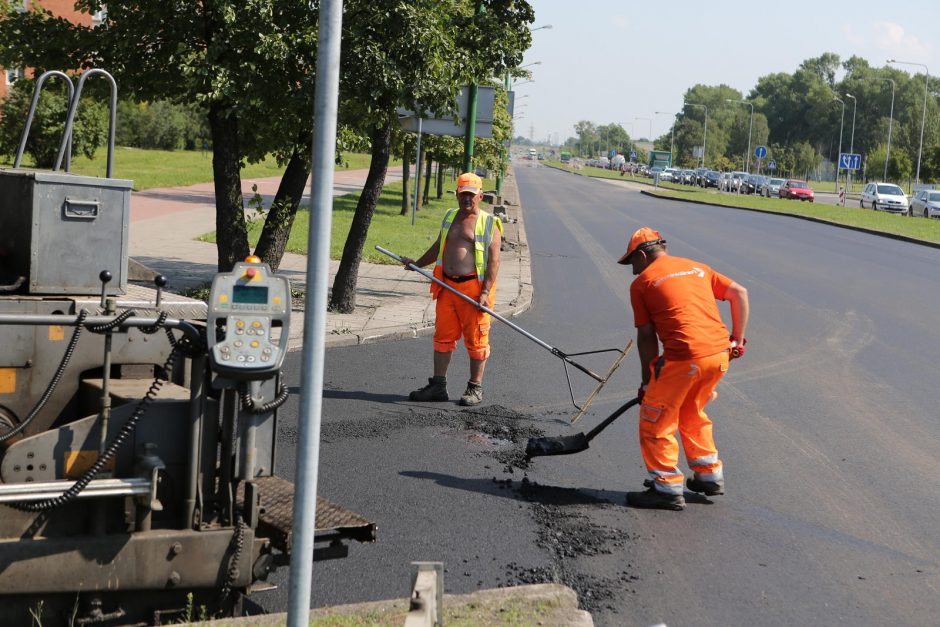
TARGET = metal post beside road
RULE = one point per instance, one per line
(848, 176)
(326, 101)
(923, 118)
(841, 124)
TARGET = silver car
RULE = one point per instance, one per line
(925, 202)
(771, 188)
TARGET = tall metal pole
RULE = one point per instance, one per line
(471, 117)
(841, 124)
(923, 118)
(890, 124)
(848, 176)
(704, 131)
(747, 161)
(672, 141)
(503, 150)
(326, 101)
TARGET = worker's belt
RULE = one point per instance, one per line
(460, 279)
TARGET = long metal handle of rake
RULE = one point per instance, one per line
(554, 351)
(606, 423)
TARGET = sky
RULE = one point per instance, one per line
(612, 61)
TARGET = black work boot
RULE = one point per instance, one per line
(708, 488)
(435, 390)
(654, 499)
(473, 395)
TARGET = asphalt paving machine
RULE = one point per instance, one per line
(138, 429)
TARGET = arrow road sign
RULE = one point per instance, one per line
(760, 152)
(848, 161)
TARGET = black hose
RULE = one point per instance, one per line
(56, 379)
(249, 403)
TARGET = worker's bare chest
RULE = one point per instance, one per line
(462, 231)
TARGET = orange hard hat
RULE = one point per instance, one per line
(641, 238)
(469, 182)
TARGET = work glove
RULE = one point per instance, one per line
(738, 347)
(640, 393)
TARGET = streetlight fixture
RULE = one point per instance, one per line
(841, 124)
(546, 27)
(848, 176)
(704, 130)
(672, 142)
(747, 162)
(923, 118)
(890, 120)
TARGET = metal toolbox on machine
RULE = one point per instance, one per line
(59, 231)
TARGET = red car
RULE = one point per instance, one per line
(796, 189)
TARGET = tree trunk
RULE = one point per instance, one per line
(440, 180)
(230, 226)
(277, 226)
(427, 178)
(405, 175)
(343, 296)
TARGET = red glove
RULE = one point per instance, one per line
(641, 392)
(738, 347)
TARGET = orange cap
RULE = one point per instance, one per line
(469, 182)
(252, 259)
(642, 238)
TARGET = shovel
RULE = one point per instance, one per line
(565, 357)
(570, 444)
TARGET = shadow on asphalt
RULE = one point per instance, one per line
(358, 395)
(523, 490)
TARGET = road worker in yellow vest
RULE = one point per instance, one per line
(466, 256)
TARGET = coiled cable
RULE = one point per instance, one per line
(53, 383)
(249, 403)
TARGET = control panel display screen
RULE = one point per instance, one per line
(250, 294)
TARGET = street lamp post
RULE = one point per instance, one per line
(704, 130)
(841, 123)
(651, 126)
(672, 141)
(747, 163)
(890, 121)
(923, 118)
(848, 176)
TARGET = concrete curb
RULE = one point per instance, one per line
(562, 600)
(860, 229)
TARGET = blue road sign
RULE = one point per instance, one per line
(772, 165)
(848, 161)
(633, 154)
(760, 152)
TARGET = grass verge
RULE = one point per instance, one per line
(917, 228)
(176, 168)
(388, 229)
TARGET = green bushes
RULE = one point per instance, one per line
(161, 125)
(90, 129)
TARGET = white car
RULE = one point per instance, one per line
(925, 202)
(884, 196)
(771, 188)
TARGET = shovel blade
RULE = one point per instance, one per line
(561, 445)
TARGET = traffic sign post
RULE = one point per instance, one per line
(760, 152)
(849, 161)
(772, 165)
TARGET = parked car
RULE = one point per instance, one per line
(724, 181)
(771, 187)
(925, 202)
(711, 179)
(737, 181)
(796, 189)
(753, 183)
(884, 196)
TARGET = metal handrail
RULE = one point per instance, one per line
(70, 120)
(32, 112)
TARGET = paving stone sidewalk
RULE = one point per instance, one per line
(391, 302)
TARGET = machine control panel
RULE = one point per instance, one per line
(246, 305)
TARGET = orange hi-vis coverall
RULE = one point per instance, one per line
(453, 315)
(677, 296)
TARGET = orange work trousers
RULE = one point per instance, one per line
(675, 400)
(455, 317)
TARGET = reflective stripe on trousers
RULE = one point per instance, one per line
(675, 401)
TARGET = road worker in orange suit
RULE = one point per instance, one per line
(674, 302)
(467, 259)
